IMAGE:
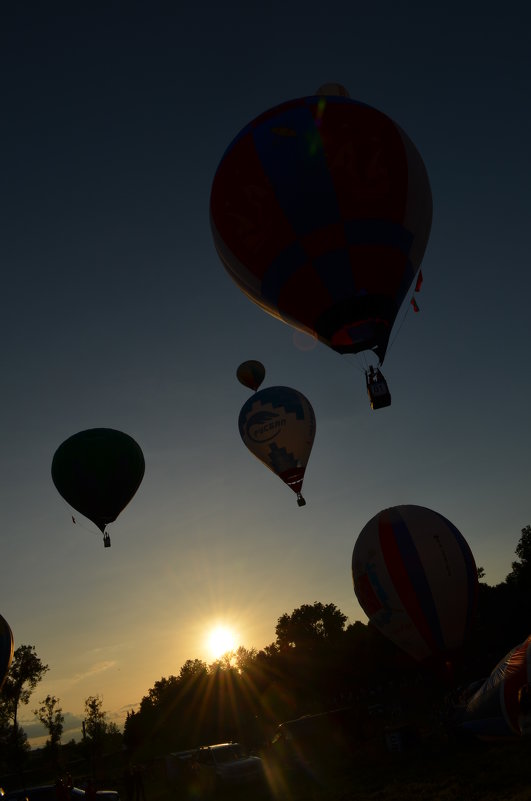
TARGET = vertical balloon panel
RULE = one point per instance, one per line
(415, 577)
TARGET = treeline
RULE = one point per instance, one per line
(99, 735)
(313, 665)
(316, 663)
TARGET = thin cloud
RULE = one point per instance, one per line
(128, 708)
(97, 668)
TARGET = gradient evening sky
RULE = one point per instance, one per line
(116, 312)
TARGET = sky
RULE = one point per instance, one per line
(117, 313)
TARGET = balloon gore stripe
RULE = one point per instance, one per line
(407, 573)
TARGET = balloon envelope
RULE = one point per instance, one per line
(320, 211)
(97, 472)
(251, 374)
(415, 578)
(6, 648)
(277, 424)
(493, 711)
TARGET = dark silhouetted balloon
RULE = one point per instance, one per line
(416, 580)
(97, 472)
(277, 424)
(251, 374)
(320, 211)
(6, 649)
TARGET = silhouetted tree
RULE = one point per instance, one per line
(133, 732)
(244, 658)
(95, 719)
(25, 672)
(309, 626)
(521, 568)
(94, 727)
(51, 716)
(308, 642)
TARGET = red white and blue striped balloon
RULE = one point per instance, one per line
(415, 578)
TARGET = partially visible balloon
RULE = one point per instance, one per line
(494, 711)
(97, 472)
(320, 212)
(416, 580)
(251, 374)
(6, 649)
(277, 424)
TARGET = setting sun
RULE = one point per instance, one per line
(220, 640)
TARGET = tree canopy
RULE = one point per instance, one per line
(25, 672)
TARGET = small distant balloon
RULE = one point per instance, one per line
(97, 472)
(277, 425)
(251, 374)
(416, 580)
(6, 649)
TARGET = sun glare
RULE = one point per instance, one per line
(220, 640)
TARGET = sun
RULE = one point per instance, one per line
(220, 640)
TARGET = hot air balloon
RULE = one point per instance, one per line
(277, 424)
(97, 472)
(416, 580)
(6, 649)
(320, 211)
(495, 711)
(251, 374)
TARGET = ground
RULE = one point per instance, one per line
(451, 772)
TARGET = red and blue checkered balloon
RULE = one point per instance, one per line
(321, 211)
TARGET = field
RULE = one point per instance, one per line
(488, 773)
(469, 772)
(436, 770)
